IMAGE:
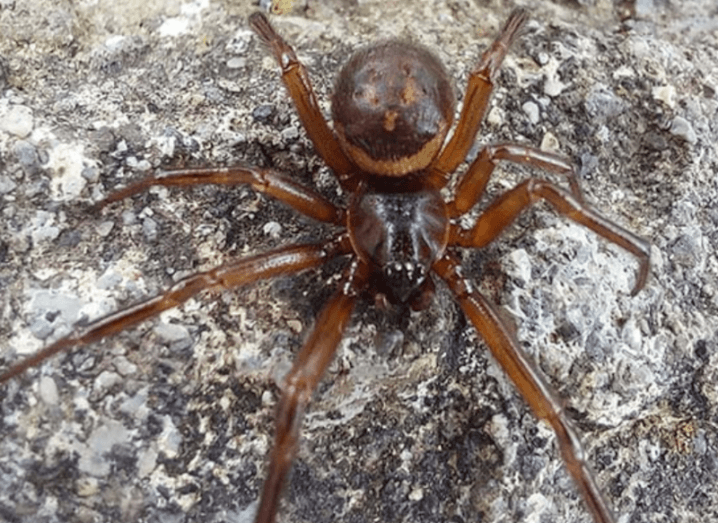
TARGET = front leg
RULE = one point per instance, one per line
(476, 101)
(296, 80)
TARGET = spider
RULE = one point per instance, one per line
(392, 110)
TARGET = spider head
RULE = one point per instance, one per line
(400, 235)
(392, 106)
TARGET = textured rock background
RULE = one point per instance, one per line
(171, 422)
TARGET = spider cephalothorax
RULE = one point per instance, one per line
(392, 109)
(400, 235)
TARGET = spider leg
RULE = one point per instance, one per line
(309, 366)
(296, 80)
(267, 181)
(233, 274)
(476, 100)
(537, 393)
(502, 212)
(473, 183)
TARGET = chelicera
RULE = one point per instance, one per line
(392, 109)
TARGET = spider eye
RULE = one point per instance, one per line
(392, 107)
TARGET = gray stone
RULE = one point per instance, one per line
(414, 421)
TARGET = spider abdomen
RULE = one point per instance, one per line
(392, 107)
(400, 235)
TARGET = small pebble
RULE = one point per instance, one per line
(681, 128)
(105, 381)
(149, 228)
(26, 154)
(17, 120)
(48, 390)
(6, 185)
(176, 336)
(272, 229)
(532, 111)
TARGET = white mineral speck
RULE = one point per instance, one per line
(272, 229)
(236, 63)
(417, 494)
(16, 120)
(92, 458)
(171, 439)
(146, 463)
(124, 366)
(136, 406)
(550, 143)
(48, 390)
(104, 228)
(665, 94)
(87, 486)
(532, 111)
(68, 162)
(682, 128)
(105, 381)
(552, 86)
(6, 185)
(173, 27)
(42, 228)
(522, 265)
(176, 336)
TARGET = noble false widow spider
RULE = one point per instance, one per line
(392, 108)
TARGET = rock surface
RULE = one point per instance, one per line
(172, 421)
